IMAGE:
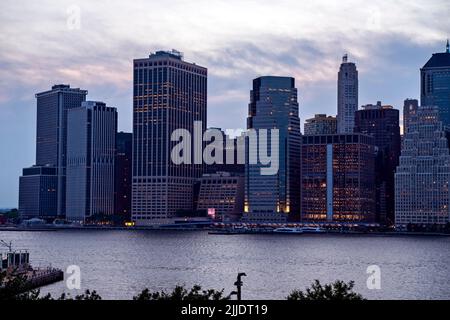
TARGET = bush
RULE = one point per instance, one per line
(339, 290)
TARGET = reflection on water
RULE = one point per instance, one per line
(118, 264)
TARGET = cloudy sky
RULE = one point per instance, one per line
(91, 44)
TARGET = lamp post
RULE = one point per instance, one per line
(238, 285)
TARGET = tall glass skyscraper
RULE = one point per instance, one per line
(51, 132)
(435, 84)
(169, 93)
(422, 179)
(273, 104)
(91, 139)
(347, 96)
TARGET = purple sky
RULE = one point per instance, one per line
(91, 44)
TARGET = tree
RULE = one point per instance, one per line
(15, 288)
(339, 290)
(180, 293)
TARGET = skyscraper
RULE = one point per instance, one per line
(382, 122)
(410, 107)
(37, 193)
(347, 96)
(91, 138)
(422, 179)
(51, 132)
(123, 175)
(320, 124)
(273, 104)
(169, 93)
(435, 84)
(337, 181)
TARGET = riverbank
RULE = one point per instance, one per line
(214, 230)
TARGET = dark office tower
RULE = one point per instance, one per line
(382, 122)
(435, 84)
(409, 110)
(51, 133)
(169, 94)
(91, 139)
(347, 96)
(37, 193)
(338, 182)
(274, 197)
(320, 124)
(123, 175)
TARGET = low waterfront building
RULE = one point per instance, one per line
(38, 193)
(337, 180)
(221, 194)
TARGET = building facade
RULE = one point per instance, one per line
(51, 131)
(347, 96)
(222, 194)
(123, 175)
(435, 84)
(422, 193)
(338, 178)
(383, 123)
(91, 137)
(38, 193)
(233, 156)
(169, 93)
(320, 124)
(275, 197)
(410, 107)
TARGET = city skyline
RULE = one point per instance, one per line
(311, 55)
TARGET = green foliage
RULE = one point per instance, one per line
(339, 290)
(180, 293)
(14, 288)
(87, 295)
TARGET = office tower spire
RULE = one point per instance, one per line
(347, 96)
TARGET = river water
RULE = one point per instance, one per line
(119, 264)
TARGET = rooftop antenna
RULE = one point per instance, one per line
(345, 58)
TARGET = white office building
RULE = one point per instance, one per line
(422, 179)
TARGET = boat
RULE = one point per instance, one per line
(287, 230)
(313, 230)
